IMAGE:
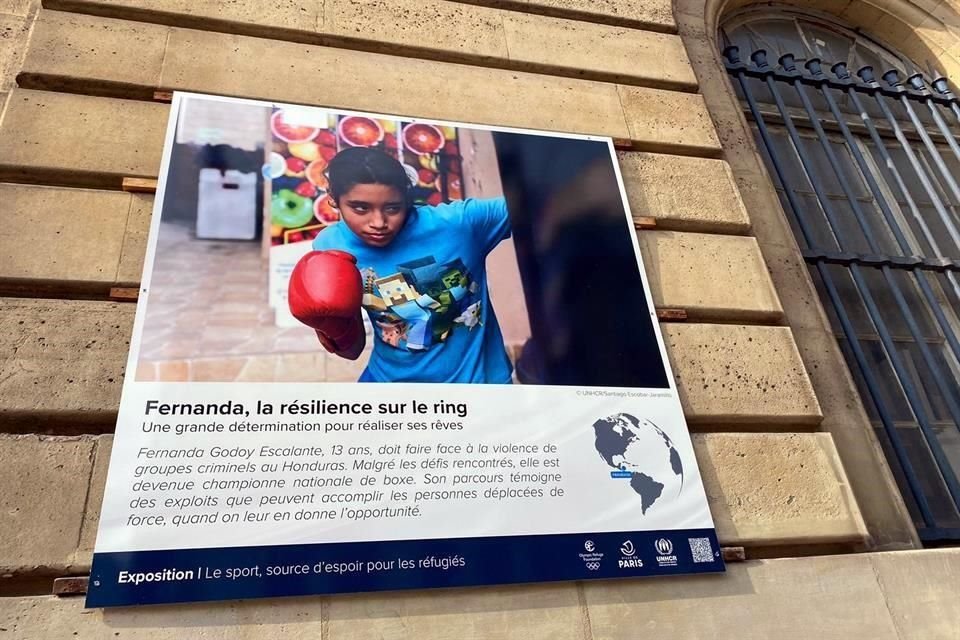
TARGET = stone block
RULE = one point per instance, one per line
(742, 375)
(710, 276)
(871, 480)
(777, 489)
(791, 278)
(76, 352)
(19, 8)
(45, 483)
(436, 28)
(93, 135)
(656, 14)
(620, 53)
(442, 27)
(80, 46)
(269, 17)
(654, 118)
(30, 618)
(14, 31)
(763, 489)
(234, 65)
(535, 611)
(832, 598)
(135, 239)
(102, 446)
(683, 193)
(63, 358)
(913, 583)
(62, 234)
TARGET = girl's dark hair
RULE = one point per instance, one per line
(362, 165)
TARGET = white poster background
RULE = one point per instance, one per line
(560, 415)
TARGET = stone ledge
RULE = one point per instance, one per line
(84, 244)
(63, 357)
(711, 277)
(14, 32)
(789, 599)
(592, 50)
(102, 447)
(740, 375)
(45, 482)
(435, 29)
(72, 48)
(85, 143)
(683, 193)
(103, 241)
(77, 351)
(650, 14)
(777, 489)
(911, 584)
(763, 490)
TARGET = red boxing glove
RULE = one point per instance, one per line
(325, 294)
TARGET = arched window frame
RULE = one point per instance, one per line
(803, 135)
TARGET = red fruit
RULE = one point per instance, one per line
(327, 138)
(451, 148)
(390, 141)
(425, 176)
(296, 236)
(323, 210)
(360, 131)
(290, 132)
(435, 198)
(306, 189)
(327, 153)
(296, 165)
(423, 138)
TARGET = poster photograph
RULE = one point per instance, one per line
(376, 352)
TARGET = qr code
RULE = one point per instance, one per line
(701, 549)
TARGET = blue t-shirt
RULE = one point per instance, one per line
(426, 294)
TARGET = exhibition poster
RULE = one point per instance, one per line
(377, 352)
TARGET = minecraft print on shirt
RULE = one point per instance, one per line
(419, 305)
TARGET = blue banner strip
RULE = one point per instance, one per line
(193, 575)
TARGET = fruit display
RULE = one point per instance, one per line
(291, 129)
(304, 140)
(289, 209)
(359, 131)
(422, 138)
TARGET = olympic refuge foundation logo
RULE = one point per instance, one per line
(592, 557)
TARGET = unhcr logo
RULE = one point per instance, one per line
(665, 557)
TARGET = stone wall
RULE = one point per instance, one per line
(79, 115)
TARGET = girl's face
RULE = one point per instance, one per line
(375, 212)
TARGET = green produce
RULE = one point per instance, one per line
(290, 210)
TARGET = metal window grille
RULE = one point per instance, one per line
(868, 171)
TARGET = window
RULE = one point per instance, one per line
(868, 170)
